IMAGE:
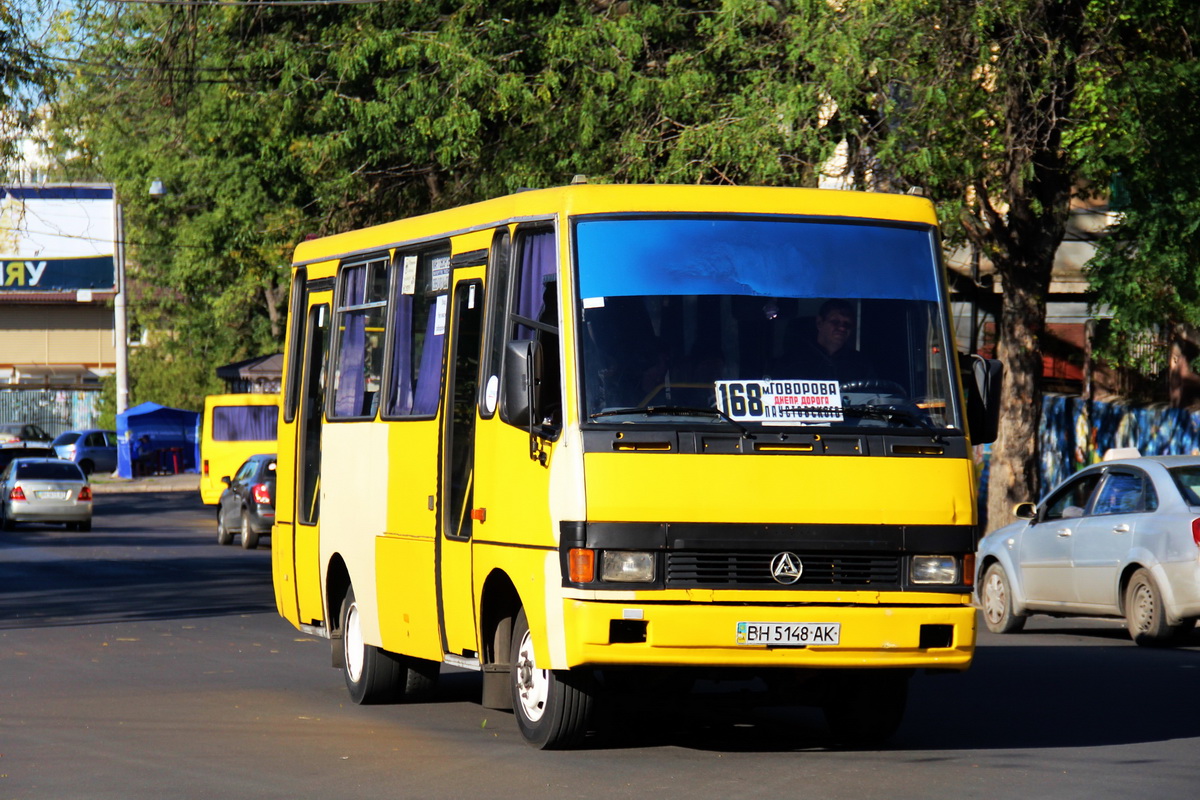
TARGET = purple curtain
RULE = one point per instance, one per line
(351, 364)
(537, 261)
(429, 377)
(244, 423)
(401, 399)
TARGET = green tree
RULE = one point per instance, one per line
(25, 75)
(1002, 111)
(271, 123)
(1147, 271)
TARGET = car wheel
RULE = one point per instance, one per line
(6, 524)
(84, 526)
(249, 537)
(553, 707)
(995, 597)
(374, 675)
(224, 535)
(1144, 613)
(87, 466)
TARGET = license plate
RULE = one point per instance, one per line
(789, 634)
(51, 495)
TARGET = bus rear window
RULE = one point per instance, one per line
(244, 423)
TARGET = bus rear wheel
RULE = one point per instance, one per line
(553, 707)
(374, 675)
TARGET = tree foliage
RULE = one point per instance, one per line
(1003, 111)
(272, 123)
(1147, 272)
(25, 75)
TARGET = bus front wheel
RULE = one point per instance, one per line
(553, 707)
(374, 675)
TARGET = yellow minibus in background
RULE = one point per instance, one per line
(595, 439)
(233, 428)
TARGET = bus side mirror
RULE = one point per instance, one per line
(522, 381)
(983, 377)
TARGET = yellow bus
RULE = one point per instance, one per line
(234, 427)
(598, 437)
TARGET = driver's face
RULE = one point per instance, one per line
(834, 329)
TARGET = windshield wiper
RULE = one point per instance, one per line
(678, 411)
(892, 413)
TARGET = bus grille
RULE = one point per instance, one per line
(731, 569)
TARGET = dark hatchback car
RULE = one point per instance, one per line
(8, 452)
(247, 506)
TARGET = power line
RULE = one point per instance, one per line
(247, 3)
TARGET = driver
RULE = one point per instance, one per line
(830, 354)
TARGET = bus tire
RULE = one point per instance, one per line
(553, 707)
(249, 537)
(374, 675)
(865, 708)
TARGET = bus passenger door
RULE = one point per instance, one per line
(456, 606)
(307, 510)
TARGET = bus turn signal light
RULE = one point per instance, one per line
(582, 565)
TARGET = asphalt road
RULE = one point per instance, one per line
(143, 660)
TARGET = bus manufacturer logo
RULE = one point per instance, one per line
(786, 568)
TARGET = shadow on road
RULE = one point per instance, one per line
(146, 557)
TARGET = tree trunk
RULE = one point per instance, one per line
(1013, 476)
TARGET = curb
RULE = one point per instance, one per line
(169, 483)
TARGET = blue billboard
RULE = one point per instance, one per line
(57, 238)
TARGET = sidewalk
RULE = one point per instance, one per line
(183, 482)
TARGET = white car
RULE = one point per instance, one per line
(1118, 539)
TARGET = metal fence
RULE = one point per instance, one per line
(55, 410)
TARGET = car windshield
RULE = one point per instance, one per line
(750, 321)
(66, 438)
(48, 471)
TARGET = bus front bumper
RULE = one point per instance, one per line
(632, 633)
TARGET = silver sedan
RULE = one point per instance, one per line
(45, 490)
(1118, 539)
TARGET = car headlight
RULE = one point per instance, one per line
(627, 566)
(933, 569)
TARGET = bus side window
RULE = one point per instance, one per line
(414, 368)
(497, 303)
(534, 315)
(297, 316)
(358, 360)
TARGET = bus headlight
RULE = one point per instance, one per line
(933, 569)
(627, 566)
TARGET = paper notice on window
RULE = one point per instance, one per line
(439, 315)
(409, 283)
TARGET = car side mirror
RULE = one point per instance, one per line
(1025, 511)
(983, 378)
(225, 479)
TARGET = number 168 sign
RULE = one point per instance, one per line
(773, 402)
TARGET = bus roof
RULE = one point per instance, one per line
(616, 198)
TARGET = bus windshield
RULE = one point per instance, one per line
(762, 322)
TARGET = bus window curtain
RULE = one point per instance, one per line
(429, 375)
(244, 423)
(351, 379)
(537, 262)
(401, 400)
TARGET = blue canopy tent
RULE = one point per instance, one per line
(156, 439)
